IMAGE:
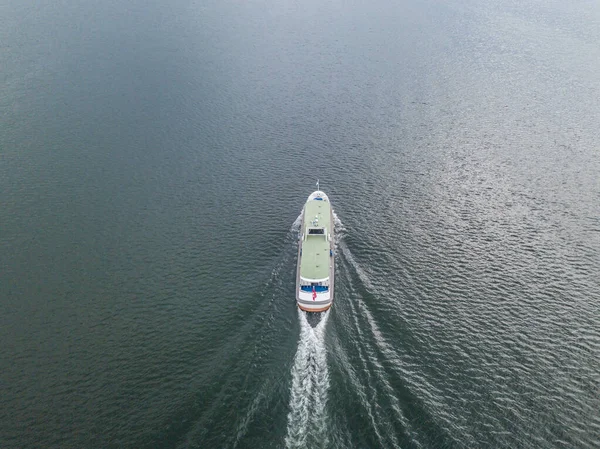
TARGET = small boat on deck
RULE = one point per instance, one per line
(315, 271)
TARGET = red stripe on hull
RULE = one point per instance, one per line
(323, 309)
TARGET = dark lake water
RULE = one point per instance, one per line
(154, 159)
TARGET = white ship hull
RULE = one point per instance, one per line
(315, 271)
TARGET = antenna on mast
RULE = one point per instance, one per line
(317, 184)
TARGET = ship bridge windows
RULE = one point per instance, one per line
(316, 231)
(317, 288)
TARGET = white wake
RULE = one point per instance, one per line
(296, 224)
(310, 384)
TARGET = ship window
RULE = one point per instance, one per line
(318, 288)
(319, 231)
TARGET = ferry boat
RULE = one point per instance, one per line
(314, 275)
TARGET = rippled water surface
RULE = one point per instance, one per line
(154, 158)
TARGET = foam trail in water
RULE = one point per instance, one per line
(338, 225)
(369, 345)
(296, 224)
(310, 384)
(243, 424)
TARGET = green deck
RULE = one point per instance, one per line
(314, 262)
